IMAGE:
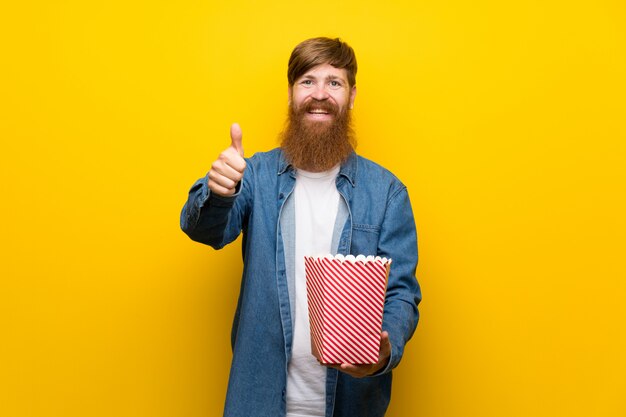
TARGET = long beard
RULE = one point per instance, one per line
(317, 146)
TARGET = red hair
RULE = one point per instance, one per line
(316, 51)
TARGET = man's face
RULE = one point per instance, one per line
(322, 93)
(318, 134)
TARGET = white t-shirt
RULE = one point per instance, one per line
(316, 205)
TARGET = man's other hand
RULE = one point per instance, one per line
(360, 371)
(227, 170)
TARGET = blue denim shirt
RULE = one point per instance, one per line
(377, 220)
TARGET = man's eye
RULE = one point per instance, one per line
(307, 82)
(335, 84)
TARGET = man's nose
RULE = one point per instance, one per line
(320, 93)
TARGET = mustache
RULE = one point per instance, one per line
(324, 105)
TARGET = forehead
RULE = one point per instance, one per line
(326, 71)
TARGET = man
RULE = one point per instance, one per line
(311, 196)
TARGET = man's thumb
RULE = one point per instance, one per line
(235, 137)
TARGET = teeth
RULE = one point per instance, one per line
(318, 111)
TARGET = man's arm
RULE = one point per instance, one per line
(398, 241)
(213, 213)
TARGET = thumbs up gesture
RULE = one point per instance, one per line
(227, 170)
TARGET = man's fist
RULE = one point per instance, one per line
(227, 170)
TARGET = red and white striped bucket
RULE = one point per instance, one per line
(346, 296)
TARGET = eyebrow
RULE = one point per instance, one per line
(328, 78)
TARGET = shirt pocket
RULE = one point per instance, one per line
(365, 239)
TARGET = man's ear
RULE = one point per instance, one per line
(352, 96)
(289, 91)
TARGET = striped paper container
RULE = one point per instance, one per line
(346, 296)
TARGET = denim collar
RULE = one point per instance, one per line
(348, 168)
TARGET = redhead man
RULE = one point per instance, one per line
(312, 195)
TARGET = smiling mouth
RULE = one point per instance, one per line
(319, 111)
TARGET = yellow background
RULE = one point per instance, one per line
(506, 120)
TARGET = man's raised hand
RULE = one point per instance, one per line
(227, 170)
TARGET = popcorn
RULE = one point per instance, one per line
(346, 296)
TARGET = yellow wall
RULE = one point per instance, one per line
(507, 122)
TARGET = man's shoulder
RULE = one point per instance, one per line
(373, 171)
(266, 159)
